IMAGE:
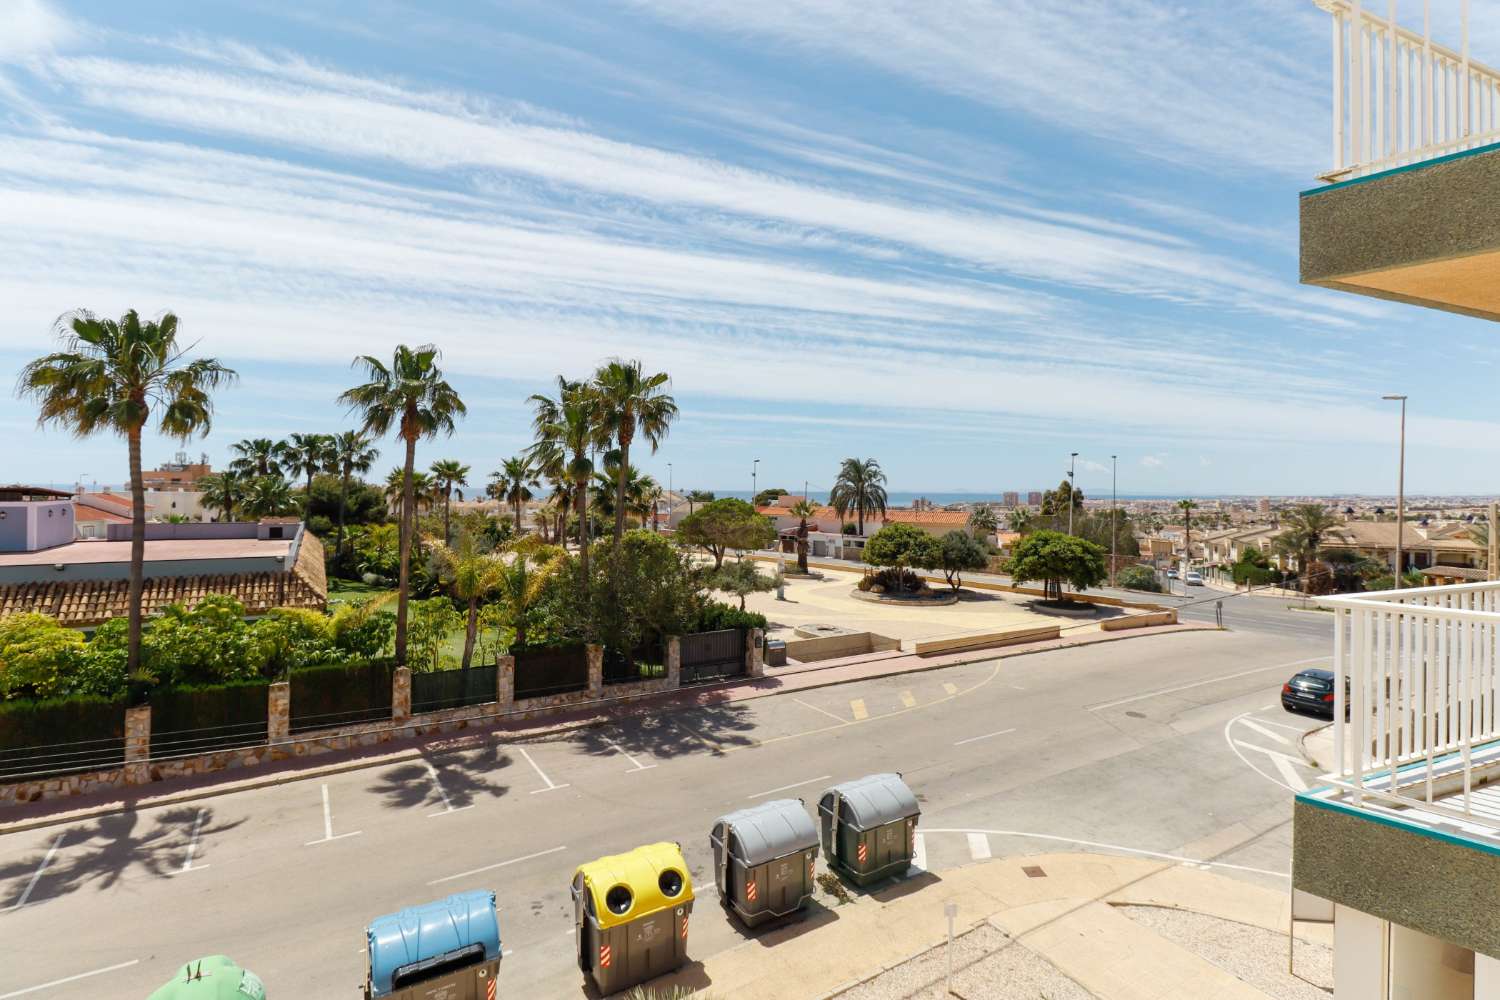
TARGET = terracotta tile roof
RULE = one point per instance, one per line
(954, 517)
(820, 512)
(109, 498)
(89, 602)
(85, 512)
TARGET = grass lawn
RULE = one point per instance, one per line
(340, 589)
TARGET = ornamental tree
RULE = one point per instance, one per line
(1055, 557)
(726, 524)
(959, 551)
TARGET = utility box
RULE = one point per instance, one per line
(869, 827)
(775, 652)
(630, 912)
(212, 978)
(448, 949)
(764, 860)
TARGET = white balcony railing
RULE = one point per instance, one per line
(1418, 674)
(1400, 98)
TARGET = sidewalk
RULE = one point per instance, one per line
(778, 680)
(1065, 909)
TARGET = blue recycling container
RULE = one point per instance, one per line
(448, 948)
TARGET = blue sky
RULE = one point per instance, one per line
(963, 238)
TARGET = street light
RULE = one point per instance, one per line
(754, 471)
(670, 502)
(1071, 490)
(1114, 514)
(1400, 490)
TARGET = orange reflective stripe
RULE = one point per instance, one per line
(604, 955)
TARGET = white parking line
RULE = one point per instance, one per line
(1211, 680)
(69, 979)
(635, 764)
(328, 824)
(1117, 847)
(36, 876)
(539, 773)
(825, 711)
(979, 846)
(498, 864)
(448, 807)
(976, 739)
(783, 788)
(192, 847)
(1269, 734)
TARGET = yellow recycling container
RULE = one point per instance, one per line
(631, 914)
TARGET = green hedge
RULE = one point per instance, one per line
(1255, 576)
(202, 718)
(338, 695)
(61, 735)
(717, 615)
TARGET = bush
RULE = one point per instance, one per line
(1247, 573)
(1139, 578)
(716, 615)
(37, 656)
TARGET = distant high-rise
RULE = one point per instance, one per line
(1011, 498)
(1034, 498)
(1264, 506)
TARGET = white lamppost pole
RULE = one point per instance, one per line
(1400, 492)
(1114, 514)
(754, 472)
(1071, 490)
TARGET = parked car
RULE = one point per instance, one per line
(1193, 578)
(1310, 691)
(1171, 574)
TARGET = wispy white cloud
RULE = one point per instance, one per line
(32, 28)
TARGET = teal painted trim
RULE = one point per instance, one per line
(1391, 821)
(1492, 147)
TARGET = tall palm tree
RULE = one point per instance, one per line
(697, 497)
(570, 426)
(268, 496)
(513, 483)
(982, 520)
(1020, 519)
(802, 510)
(524, 581)
(350, 452)
(1303, 528)
(632, 403)
(308, 454)
(471, 576)
(860, 487)
(411, 396)
(117, 376)
(423, 489)
(448, 473)
(1186, 506)
(224, 491)
(258, 456)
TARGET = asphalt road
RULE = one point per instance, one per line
(1173, 744)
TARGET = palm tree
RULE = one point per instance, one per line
(1020, 520)
(1303, 528)
(568, 429)
(982, 521)
(802, 510)
(513, 484)
(1186, 506)
(632, 402)
(258, 456)
(411, 396)
(424, 491)
(115, 376)
(524, 579)
(309, 454)
(651, 496)
(224, 491)
(699, 496)
(471, 576)
(268, 496)
(448, 473)
(349, 452)
(860, 487)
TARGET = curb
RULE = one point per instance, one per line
(467, 740)
(1302, 747)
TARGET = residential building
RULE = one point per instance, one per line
(34, 519)
(1400, 846)
(163, 504)
(95, 512)
(1010, 498)
(1034, 498)
(1422, 547)
(176, 474)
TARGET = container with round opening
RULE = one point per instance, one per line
(631, 913)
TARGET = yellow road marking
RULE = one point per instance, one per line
(908, 700)
(857, 706)
(951, 688)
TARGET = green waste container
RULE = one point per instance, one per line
(869, 827)
(630, 912)
(765, 859)
(214, 977)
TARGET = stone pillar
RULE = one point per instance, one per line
(755, 664)
(505, 684)
(596, 670)
(138, 745)
(278, 712)
(674, 661)
(400, 694)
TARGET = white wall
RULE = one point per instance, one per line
(1359, 955)
(1428, 968)
(1486, 978)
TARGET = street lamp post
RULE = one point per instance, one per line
(1114, 514)
(754, 472)
(1071, 490)
(670, 503)
(1400, 492)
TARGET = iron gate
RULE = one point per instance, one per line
(708, 656)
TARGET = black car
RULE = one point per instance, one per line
(1309, 691)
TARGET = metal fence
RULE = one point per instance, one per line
(207, 719)
(64, 737)
(645, 663)
(435, 690)
(551, 670)
(709, 656)
(340, 696)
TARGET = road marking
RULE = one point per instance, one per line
(1269, 734)
(950, 688)
(919, 852)
(1211, 680)
(976, 739)
(1281, 725)
(498, 864)
(540, 774)
(1117, 847)
(1234, 748)
(1289, 774)
(815, 708)
(635, 764)
(979, 846)
(187, 863)
(858, 710)
(1266, 750)
(783, 788)
(328, 824)
(69, 979)
(908, 700)
(448, 807)
(36, 876)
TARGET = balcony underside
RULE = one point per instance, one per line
(1427, 234)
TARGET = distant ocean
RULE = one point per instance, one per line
(903, 498)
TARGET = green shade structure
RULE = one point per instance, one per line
(213, 977)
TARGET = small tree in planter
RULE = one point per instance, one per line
(900, 548)
(726, 524)
(802, 510)
(741, 578)
(1054, 557)
(960, 551)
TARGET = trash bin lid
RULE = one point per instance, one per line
(213, 977)
(770, 830)
(875, 800)
(640, 871)
(421, 932)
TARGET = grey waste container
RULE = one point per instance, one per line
(764, 860)
(775, 652)
(869, 827)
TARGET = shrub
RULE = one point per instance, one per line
(716, 615)
(1139, 578)
(36, 656)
